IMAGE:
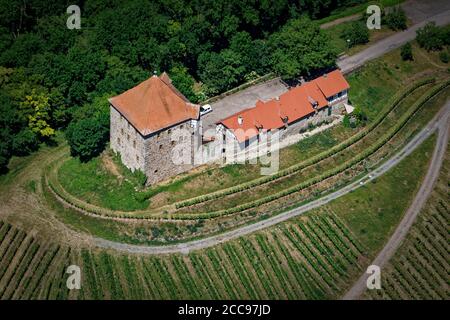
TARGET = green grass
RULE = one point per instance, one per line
(373, 211)
(95, 184)
(340, 44)
(424, 252)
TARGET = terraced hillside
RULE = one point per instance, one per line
(316, 256)
(311, 258)
(420, 268)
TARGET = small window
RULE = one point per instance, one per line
(155, 171)
(169, 131)
(137, 158)
(160, 146)
(118, 140)
(121, 131)
(172, 143)
(182, 126)
(134, 143)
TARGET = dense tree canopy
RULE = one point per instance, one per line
(48, 72)
(299, 48)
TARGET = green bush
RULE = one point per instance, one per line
(396, 19)
(87, 138)
(444, 56)
(406, 52)
(25, 142)
(431, 37)
(356, 33)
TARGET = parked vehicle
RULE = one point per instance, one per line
(205, 109)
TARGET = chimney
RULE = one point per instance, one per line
(240, 120)
(277, 98)
(325, 75)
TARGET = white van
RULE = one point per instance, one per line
(205, 109)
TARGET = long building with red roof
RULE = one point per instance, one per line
(310, 103)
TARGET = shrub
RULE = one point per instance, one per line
(356, 33)
(430, 37)
(396, 19)
(25, 142)
(406, 52)
(444, 56)
(87, 138)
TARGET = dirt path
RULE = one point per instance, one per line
(333, 23)
(440, 121)
(411, 214)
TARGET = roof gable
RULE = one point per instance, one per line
(154, 104)
(332, 83)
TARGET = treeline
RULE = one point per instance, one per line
(51, 76)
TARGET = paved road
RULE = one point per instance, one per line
(411, 214)
(241, 231)
(381, 47)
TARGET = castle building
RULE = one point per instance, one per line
(142, 121)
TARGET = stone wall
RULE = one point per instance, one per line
(127, 141)
(170, 151)
(160, 155)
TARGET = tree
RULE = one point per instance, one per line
(430, 37)
(220, 71)
(21, 50)
(25, 142)
(36, 109)
(120, 77)
(396, 19)
(444, 56)
(87, 138)
(356, 33)
(406, 52)
(299, 48)
(184, 82)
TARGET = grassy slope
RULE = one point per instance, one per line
(373, 211)
(311, 257)
(419, 269)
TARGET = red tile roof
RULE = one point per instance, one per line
(293, 104)
(332, 83)
(154, 104)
